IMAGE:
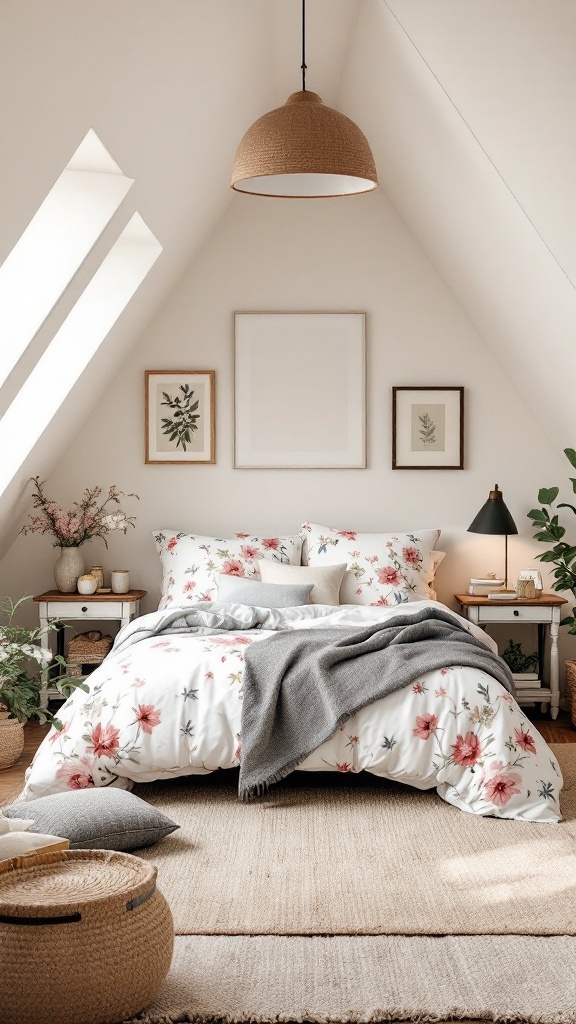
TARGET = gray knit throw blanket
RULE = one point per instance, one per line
(301, 686)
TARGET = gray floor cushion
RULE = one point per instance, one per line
(92, 819)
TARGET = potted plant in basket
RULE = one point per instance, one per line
(22, 658)
(560, 553)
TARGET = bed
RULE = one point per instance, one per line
(168, 699)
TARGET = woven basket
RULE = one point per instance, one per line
(571, 689)
(11, 741)
(88, 648)
(86, 937)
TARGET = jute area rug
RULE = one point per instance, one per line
(366, 858)
(385, 956)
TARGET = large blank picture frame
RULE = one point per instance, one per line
(299, 391)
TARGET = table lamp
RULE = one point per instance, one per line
(494, 518)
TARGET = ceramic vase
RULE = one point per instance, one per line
(11, 740)
(68, 568)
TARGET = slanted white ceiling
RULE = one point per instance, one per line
(469, 107)
(472, 116)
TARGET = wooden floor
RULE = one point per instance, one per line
(11, 779)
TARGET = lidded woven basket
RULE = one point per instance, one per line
(88, 648)
(86, 937)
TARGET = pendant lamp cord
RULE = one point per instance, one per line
(303, 65)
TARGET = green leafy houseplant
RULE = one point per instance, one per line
(22, 658)
(517, 661)
(549, 531)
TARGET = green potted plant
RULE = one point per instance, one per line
(22, 658)
(560, 553)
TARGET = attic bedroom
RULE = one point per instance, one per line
(287, 657)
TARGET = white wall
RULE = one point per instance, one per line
(347, 254)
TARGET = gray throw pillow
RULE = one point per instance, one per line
(262, 595)
(96, 819)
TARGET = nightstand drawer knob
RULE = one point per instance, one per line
(85, 609)
(516, 612)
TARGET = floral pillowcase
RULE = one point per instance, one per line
(383, 568)
(191, 564)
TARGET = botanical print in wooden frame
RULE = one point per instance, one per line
(180, 416)
(299, 391)
(428, 428)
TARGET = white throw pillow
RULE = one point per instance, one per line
(191, 564)
(326, 580)
(382, 568)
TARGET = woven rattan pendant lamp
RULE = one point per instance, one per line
(304, 149)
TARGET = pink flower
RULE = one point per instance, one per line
(190, 585)
(241, 536)
(271, 543)
(233, 567)
(380, 601)
(137, 683)
(105, 741)
(207, 596)
(525, 740)
(425, 726)
(345, 767)
(147, 717)
(349, 534)
(440, 692)
(411, 555)
(76, 774)
(466, 750)
(388, 575)
(230, 641)
(500, 788)
(248, 551)
(417, 688)
(172, 543)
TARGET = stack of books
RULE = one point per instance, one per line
(484, 587)
(526, 681)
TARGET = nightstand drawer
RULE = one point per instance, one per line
(64, 610)
(499, 613)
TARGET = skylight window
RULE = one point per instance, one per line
(73, 346)
(54, 245)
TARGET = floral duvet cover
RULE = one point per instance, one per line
(171, 705)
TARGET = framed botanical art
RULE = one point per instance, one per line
(299, 391)
(428, 428)
(180, 416)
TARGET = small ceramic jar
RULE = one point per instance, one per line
(87, 584)
(120, 581)
(98, 573)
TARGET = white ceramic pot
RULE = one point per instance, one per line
(120, 581)
(87, 584)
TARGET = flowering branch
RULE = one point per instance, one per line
(87, 518)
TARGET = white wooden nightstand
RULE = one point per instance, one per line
(54, 606)
(542, 611)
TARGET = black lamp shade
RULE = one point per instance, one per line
(493, 517)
